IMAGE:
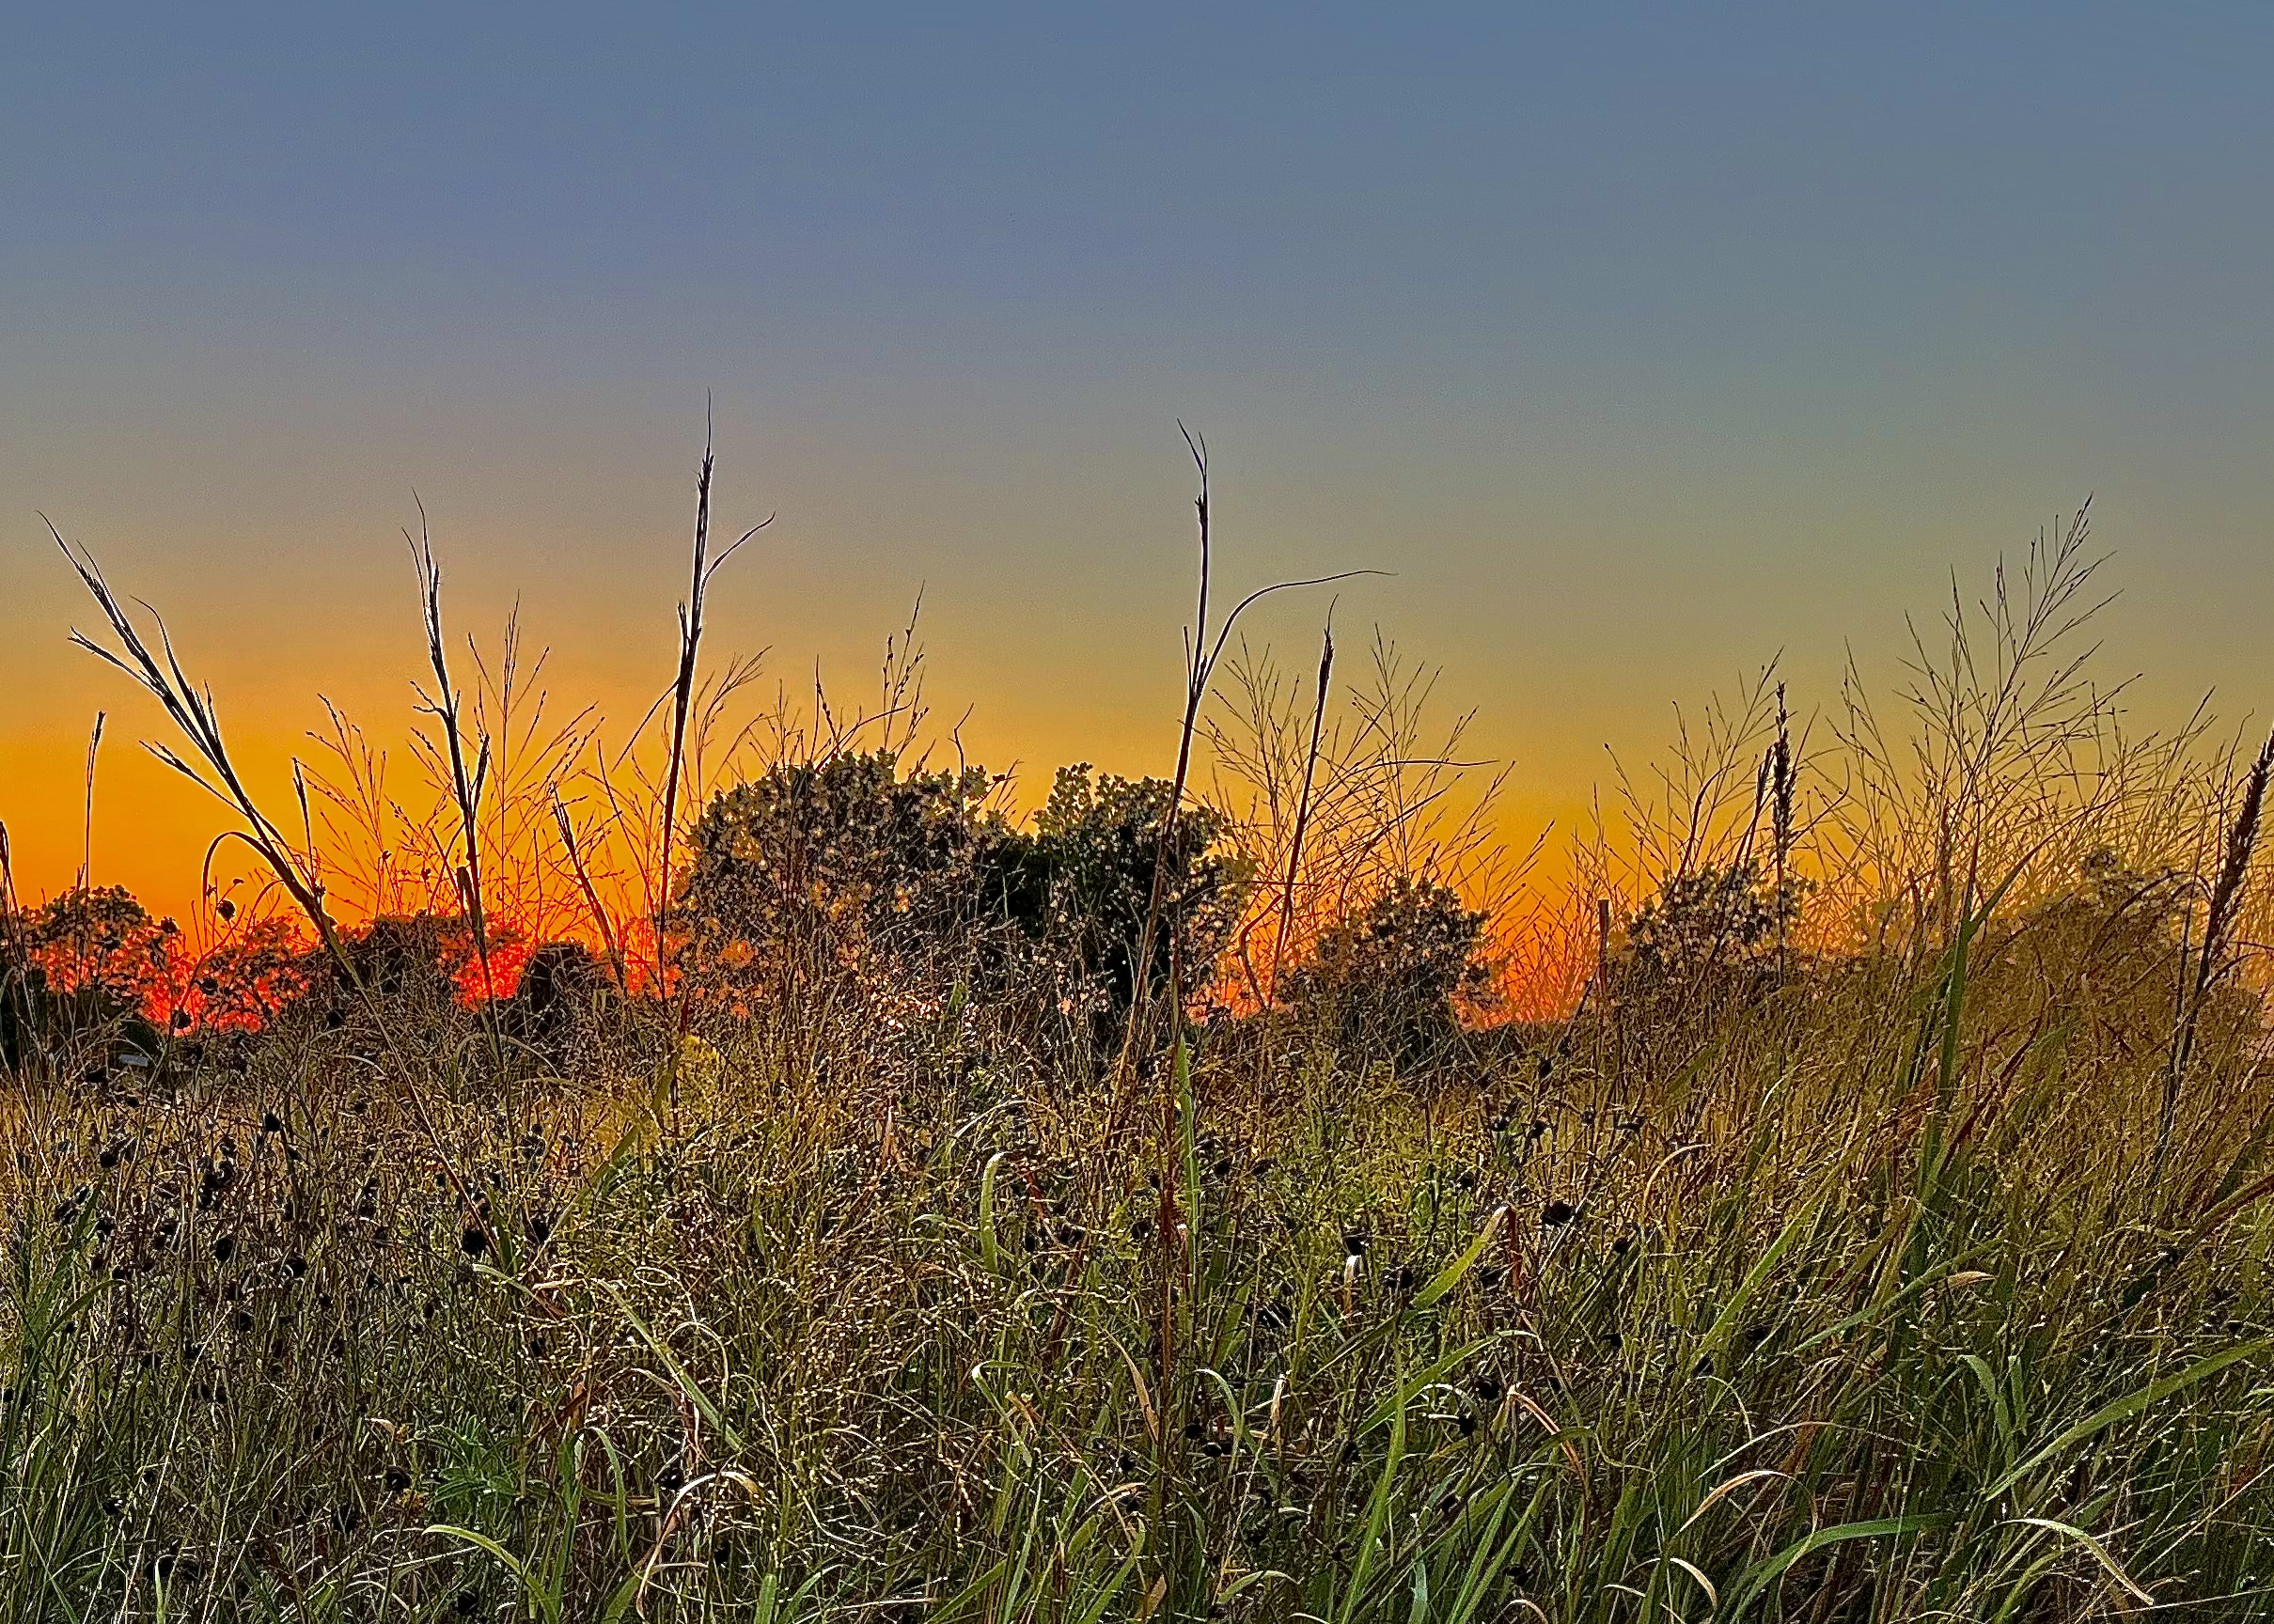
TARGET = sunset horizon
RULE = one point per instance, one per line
(1171, 815)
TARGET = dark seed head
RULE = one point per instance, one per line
(179, 1021)
(226, 909)
(1557, 1214)
(474, 1240)
(209, 984)
(225, 1248)
(396, 1479)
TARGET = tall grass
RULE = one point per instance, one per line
(1904, 1258)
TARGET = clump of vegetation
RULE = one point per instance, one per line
(1396, 980)
(787, 1184)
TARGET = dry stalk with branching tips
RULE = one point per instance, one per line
(194, 711)
(1203, 654)
(2216, 959)
(683, 691)
(465, 783)
(1382, 793)
(1302, 810)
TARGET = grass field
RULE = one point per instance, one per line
(1149, 1211)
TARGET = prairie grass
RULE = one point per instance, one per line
(1887, 1243)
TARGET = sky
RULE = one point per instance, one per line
(1640, 344)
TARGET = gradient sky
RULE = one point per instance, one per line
(1641, 342)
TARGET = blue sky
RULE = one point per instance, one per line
(1641, 342)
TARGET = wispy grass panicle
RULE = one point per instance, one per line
(682, 691)
(466, 783)
(2217, 958)
(194, 711)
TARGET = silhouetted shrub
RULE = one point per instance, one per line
(1079, 887)
(1392, 981)
(1715, 930)
(562, 984)
(2103, 957)
(100, 939)
(917, 881)
(87, 965)
(38, 1014)
(410, 956)
(832, 865)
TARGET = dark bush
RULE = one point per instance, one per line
(83, 967)
(1079, 887)
(562, 984)
(1716, 930)
(833, 865)
(1392, 981)
(410, 956)
(851, 867)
